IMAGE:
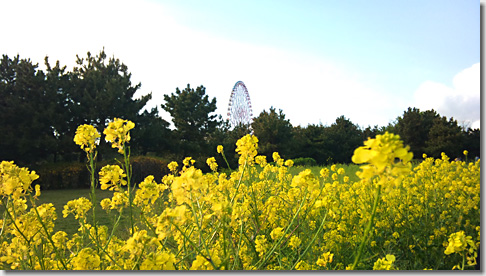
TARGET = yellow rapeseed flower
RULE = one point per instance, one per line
(458, 242)
(173, 166)
(295, 242)
(276, 233)
(385, 263)
(111, 177)
(381, 154)
(117, 133)
(211, 161)
(86, 259)
(78, 207)
(87, 136)
(37, 190)
(15, 181)
(247, 147)
(325, 259)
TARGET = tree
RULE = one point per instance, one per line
(444, 136)
(101, 90)
(342, 137)
(472, 142)
(191, 114)
(27, 112)
(40, 112)
(310, 142)
(413, 128)
(274, 133)
(151, 134)
(58, 85)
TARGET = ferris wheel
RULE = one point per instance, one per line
(239, 107)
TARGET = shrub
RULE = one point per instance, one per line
(63, 176)
(148, 165)
(305, 161)
(74, 175)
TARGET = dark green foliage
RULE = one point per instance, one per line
(444, 136)
(342, 137)
(311, 142)
(328, 144)
(40, 111)
(427, 132)
(414, 126)
(151, 134)
(27, 112)
(101, 91)
(472, 141)
(143, 166)
(75, 175)
(191, 114)
(274, 133)
(304, 161)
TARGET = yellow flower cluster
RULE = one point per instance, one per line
(381, 154)
(211, 161)
(112, 177)
(463, 245)
(117, 133)
(262, 216)
(78, 207)
(385, 263)
(87, 137)
(15, 181)
(325, 259)
(247, 148)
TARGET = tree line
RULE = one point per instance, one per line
(40, 111)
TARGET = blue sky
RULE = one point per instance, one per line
(315, 60)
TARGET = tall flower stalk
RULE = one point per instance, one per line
(387, 161)
(118, 134)
(87, 137)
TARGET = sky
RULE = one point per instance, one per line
(314, 59)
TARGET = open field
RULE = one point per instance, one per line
(380, 213)
(60, 197)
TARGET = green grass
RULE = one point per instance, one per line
(70, 225)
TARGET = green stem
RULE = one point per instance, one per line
(16, 226)
(463, 261)
(368, 228)
(224, 157)
(267, 256)
(48, 235)
(193, 245)
(99, 245)
(128, 170)
(201, 238)
(92, 169)
(311, 242)
(150, 226)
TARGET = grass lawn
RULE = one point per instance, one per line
(70, 225)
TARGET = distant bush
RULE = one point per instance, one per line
(74, 175)
(305, 161)
(63, 175)
(143, 166)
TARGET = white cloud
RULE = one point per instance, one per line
(461, 101)
(163, 55)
